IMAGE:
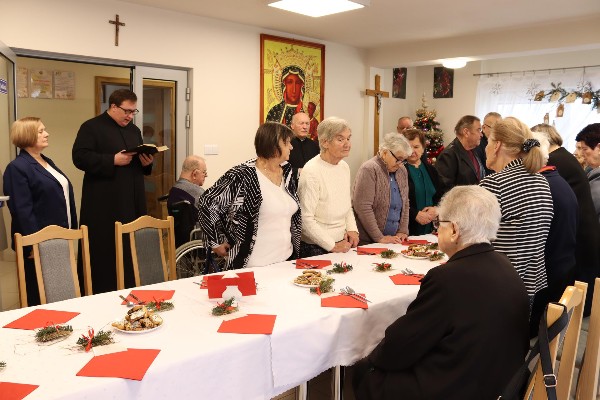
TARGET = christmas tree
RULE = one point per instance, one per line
(434, 136)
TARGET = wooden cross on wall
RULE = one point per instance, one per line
(378, 94)
(117, 24)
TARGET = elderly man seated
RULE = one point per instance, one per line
(188, 188)
(465, 335)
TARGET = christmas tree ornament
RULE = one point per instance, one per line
(539, 96)
(571, 97)
(547, 118)
(560, 110)
(426, 122)
(586, 98)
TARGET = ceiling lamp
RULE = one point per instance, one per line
(454, 63)
(318, 8)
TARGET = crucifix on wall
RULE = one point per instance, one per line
(117, 24)
(378, 94)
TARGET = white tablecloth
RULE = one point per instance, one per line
(197, 362)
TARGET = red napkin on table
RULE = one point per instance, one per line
(312, 264)
(251, 323)
(216, 284)
(369, 250)
(343, 301)
(149, 295)
(130, 364)
(401, 279)
(415, 241)
(15, 391)
(40, 318)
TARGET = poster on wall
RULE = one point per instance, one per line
(399, 83)
(40, 84)
(443, 83)
(22, 82)
(292, 80)
(64, 85)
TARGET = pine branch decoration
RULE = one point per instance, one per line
(102, 338)
(53, 332)
(225, 307)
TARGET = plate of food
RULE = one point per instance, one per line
(308, 279)
(138, 320)
(423, 252)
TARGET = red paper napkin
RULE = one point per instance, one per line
(415, 241)
(149, 295)
(251, 323)
(40, 318)
(401, 279)
(343, 301)
(369, 250)
(15, 391)
(130, 364)
(312, 264)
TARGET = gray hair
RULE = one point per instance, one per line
(191, 163)
(544, 144)
(396, 143)
(330, 127)
(474, 210)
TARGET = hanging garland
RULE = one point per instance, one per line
(557, 94)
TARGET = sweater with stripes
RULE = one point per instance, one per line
(527, 211)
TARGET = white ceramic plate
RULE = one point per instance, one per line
(139, 332)
(305, 286)
(415, 257)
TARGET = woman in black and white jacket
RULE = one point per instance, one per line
(252, 213)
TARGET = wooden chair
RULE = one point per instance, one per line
(147, 250)
(55, 264)
(587, 387)
(573, 299)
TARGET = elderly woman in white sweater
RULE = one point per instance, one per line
(328, 223)
(380, 194)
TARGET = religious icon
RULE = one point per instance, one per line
(292, 79)
(443, 83)
(560, 110)
(399, 83)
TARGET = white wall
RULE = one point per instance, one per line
(224, 58)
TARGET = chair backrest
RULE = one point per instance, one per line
(183, 219)
(53, 250)
(587, 387)
(147, 250)
(574, 300)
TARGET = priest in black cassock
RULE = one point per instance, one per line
(113, 184)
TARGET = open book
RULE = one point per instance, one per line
(147, 148)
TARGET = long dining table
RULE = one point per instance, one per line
(195, 361)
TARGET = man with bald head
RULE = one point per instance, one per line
(303, 147)
(404, 123)
(189, 185)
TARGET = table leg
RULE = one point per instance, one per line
(303, 391)
(338, 382)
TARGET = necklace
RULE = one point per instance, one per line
(274, 176)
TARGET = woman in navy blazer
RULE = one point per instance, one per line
(38, 191)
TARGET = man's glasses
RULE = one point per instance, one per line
(129, 112)
(487, 126)
(436, 223)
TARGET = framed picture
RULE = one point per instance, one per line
(443, 83)
(292, 80)
(399, 83)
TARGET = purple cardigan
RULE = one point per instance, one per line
(371, 199)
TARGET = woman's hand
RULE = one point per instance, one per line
(352, 238)
(222, 249)
(431, 211)
(341, 247)
(423, 218)
(391, 239)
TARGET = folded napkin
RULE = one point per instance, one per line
(343, 301)
(369, 250)
(15, 391)
(251, 323)
(401, 279)
(149, 295)
(40, 318)
(312, 264)
(130, 364)
(414, 241)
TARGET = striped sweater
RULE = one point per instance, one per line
(526, 205)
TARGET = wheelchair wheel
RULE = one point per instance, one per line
(190, 260)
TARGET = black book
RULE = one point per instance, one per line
(147, 148)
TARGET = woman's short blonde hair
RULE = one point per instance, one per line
(24, 132)
(474, 210)
(518, 142)
(329, 128)
(396, 143)
(550, 132)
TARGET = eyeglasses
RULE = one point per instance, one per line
(205, 172)
(129, 112)
(436, 223)
(487, 126)
(398, 160)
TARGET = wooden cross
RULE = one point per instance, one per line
(117, 24)
(378, 94)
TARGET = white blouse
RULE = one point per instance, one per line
(273, 238)
(65, 185)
